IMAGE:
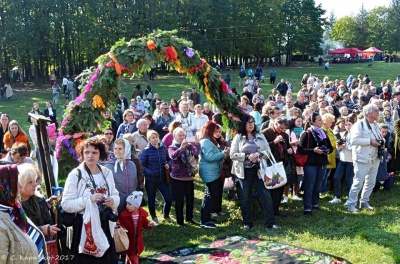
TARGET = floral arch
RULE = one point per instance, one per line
(99, 87)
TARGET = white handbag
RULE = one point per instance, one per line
(273, 176)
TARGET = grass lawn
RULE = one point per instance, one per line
(367, 237)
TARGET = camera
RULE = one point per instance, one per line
(341, 141)
(381, 148)
(106, 213)
(324, 149)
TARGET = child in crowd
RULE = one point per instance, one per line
(134, 219)
(382, 174)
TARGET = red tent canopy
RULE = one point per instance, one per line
(351, 51)
(373, 50)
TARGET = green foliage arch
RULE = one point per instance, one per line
(99, 87)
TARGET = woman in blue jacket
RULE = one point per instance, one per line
(154, 162)
(210, 167)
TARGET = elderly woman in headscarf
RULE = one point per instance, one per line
(124, 170)
(16, 230)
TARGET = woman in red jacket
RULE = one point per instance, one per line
(15, 134)
(134, 219)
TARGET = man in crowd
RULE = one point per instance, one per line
(258, 95)
(195, 96)
(366, 142)
(300, 103)
(207, 111)
(163, 120)
(282, 87)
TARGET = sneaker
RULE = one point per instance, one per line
(365, 205)
(296, 198)
(274, 226)
(352, 208)
(155, 220)
(208, 224)
(285, 199)
(335, 200)
(214, 215)
(346, 203)
(168, 219)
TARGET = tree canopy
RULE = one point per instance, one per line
(67, 35)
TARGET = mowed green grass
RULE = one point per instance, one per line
(367, 237)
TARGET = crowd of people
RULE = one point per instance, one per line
(337, 136)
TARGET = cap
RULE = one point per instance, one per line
(345, 94)
(138, 97)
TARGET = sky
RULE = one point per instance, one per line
(343, 8)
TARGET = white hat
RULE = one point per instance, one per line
(135, 199)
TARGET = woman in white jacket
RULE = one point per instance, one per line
(187, 119)
(90, 181)
(345, 166)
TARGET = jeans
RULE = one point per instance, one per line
(151, 189)
(364, 178)
(183, 190)
(250, 179)
(210, 200)
(311, 185)
(276, 196)
(55, 97)
(324, 182)
(345, 169)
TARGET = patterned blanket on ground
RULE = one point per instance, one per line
(237, 249)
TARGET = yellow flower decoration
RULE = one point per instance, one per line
(98, 102)
(151, 45)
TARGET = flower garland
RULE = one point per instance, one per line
(151, 45)
(170, 54)
(116, 63)
(205, 81)
(123, 67)
(98, 102)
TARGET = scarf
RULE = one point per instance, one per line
(9, 194)
(127, 155)
(297, 131)
(32, 209)
(186, 157)
(319, 132)
(280, 145)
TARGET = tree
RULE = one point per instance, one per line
(344, 31)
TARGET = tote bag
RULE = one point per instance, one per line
(93, 240)
(273, 176)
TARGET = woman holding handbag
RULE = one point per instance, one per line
(91, 185)
(280, 149)
(154, 159)
(248, 146)
(317, 146)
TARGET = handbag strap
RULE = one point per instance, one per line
(271, 157)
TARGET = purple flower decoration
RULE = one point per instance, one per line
(71, 150)
(189, 52)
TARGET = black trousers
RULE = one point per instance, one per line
(181, 191)
(276, 195)
(211, 195)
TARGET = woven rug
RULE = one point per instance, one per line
(237, 249)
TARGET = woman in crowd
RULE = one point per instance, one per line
(174, 106)
(18, 154)
(128, 126)
(245, 104)
(4, 120)
(114, 124)
(210, 168)
(247, 147)
(183, 170)
(35, 110)
(13, 135)
(256, 114)
(35, 205)
(20, 239)
(169, 138)
(140, 136)
(78, 192)
(56, 92)
(317, 146)
(154, 159)
(124, 170)
(51, 113)
(151, 124)
(294, 131)
(345, 166)
(328, 120)
(280, 149)
(187, 119)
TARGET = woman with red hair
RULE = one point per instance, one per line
(13, 135)
(210, 168)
